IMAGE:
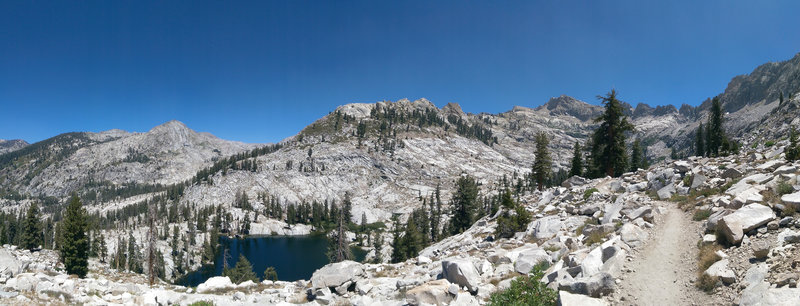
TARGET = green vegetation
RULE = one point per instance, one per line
(577, 161)
(464, 205)
(243, 271)
(608, 153)
(270, 274)
(699, 142)
(769, 143)
(542, 163)
(75, 247)
(701, 214)
(588, 193)
(526, 290)
(508, 224)
(202, 303)
(32, 229)
(338, 247)
(638, 158)
(793, 149)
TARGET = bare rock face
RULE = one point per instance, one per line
(337, 274)
(7, 146)
(461, 272)
(433, 292)
(745, 219)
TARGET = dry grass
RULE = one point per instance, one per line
(595, 237)
(706, 257)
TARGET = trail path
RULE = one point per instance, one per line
(664, 269)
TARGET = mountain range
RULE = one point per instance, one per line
(385, 154)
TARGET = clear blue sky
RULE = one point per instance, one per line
(259, 71)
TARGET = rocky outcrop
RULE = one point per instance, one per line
(743, 220)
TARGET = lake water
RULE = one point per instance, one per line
(293, 257)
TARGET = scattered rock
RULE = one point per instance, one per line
(461, 272)
(337, 274)
(745, 219)
(721, 270)
(570, 299)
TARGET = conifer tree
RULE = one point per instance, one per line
(608, 152)
(507, 223)
(465, 204)
(542, 163)
(243, 271)
(636, 155)
(398, 250)
(378, 247)
(699, 146)
(793, 150)
(75, 247)
(716, 135)
(781, 99)
(339, 249)
(577, 161)
(32, 229)
(270, 273)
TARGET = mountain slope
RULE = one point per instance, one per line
(167, 154)
(11, 145)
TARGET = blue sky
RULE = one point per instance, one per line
(259, 71)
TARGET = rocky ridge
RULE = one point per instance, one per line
(589, 231)
(11, 145)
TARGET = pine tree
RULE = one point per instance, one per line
(636, 155)
(542, 163)
(412, 239)
(270, 273)
(75, 248)
(716, 135)
(32, 229)
(243, 271)
(151, 245)
(609, 155)
(347, 204)
(781, 99)
(508, 224)
(339, 249)
(793, 150)
(398, 248)
(465, 204)
(378, 247)
(577, 161)
(699, 146)
(103, 249)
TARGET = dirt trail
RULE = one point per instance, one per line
(664, 269)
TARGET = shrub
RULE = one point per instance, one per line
(526, 290)
(706, 282)
(596, 237)
(687, 180)
(769, 143)
(784, 188)
(701, 214)
(202, 303)
(588, 193)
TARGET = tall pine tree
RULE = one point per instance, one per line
(716, 135)
(542, 163)
(465, 204)
(636, 155)
(75, 245)
(609, 156)
(32, 229)
(577, 161)
(699, 142)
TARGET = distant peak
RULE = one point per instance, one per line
(566, 105)
(453, 107)
(171, 126)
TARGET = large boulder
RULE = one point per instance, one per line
(721, 270)
(9, 265)
(570, 299)
(698, 180)
(461, 272)
(433, 292)
(792, 199)
(336, 274)
(666, 192)
(745, 219)
(546, 228)
(595, 286)
(527, 259)
(633, 235)
(214, 284)
(593, 262)
(574, 181)
(731, 173)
